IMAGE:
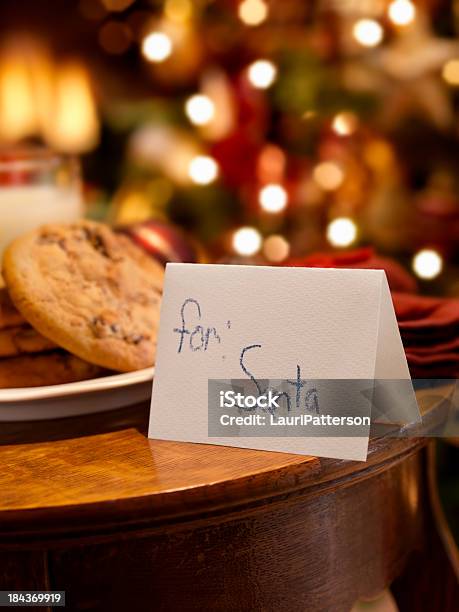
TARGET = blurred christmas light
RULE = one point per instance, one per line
(138, 201)
(203, 170)
(328, 175)
(165, 148)
(262, 74)
(132, 206)
(427, 264)
(246, 241)
(401, 12)
(216, 85)
(114, 37)
(178, 10)
(199, 109)
(156, 46)
(271, 164)
(276, 248)
(273, 198)
(252, 12)
(341, 232)
(344, 124)
(450, 72)
(309, 114)
(368, 32)
(379, 155)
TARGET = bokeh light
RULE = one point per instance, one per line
(178, 10)
(368, 32)
(341, 232)
(203, 170)
(276, 248)
(427, 264)
(253, 12)
(273, 198)
(156, 47)
(200, 109)
(450, 72)
(345, 123)
(328, 175)
(246, 241)
(401, 12)
(271, 164)
(262, 74)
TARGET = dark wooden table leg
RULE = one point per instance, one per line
(430, 582)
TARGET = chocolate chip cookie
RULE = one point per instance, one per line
(54, 368)
(24, 339)
(89, 290)
(9, 315)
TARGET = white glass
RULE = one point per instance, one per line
(37, 186)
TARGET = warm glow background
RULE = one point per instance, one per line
(267, 130)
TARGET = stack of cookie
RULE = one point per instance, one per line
(28, 359)
(80, 300)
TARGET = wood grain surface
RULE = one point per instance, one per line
(121, 475)
(91, 506)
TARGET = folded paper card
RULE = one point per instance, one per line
(302, 326)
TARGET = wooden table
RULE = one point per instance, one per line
(120, 522)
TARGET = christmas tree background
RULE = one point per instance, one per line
(266, 130)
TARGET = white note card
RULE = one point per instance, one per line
(329, 323)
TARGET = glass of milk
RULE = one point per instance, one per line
(37, 187)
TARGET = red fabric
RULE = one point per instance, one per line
(429, 328)
(418, 312)
(398, 278)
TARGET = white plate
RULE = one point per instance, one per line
(71, 399)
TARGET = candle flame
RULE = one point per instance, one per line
(75, 126)
(18, 117)
(40, 98)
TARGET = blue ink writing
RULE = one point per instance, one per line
(199, 336)
(311, 396)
